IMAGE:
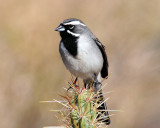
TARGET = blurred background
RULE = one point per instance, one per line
(31, 69)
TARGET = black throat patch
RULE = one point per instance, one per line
(70, 43)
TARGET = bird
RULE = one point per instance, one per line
(84, 56)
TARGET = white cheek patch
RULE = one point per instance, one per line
(74, 23)
(73, 34)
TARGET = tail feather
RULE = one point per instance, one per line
(102, 115)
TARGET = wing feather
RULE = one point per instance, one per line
(104, 70)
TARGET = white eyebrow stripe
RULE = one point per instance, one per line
(74, 23)
(74, 34)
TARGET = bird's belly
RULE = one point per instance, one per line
(85, 65)
(82, 68)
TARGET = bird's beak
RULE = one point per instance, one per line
(60, 28)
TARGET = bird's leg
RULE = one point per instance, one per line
(87, 83)
(75, 82)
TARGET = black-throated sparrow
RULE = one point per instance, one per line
(83, 55)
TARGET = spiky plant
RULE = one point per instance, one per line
(82, 105)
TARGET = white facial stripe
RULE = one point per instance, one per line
(74, 23)
(74, 34)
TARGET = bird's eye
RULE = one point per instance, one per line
(71, 26)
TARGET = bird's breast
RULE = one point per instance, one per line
(88, 60)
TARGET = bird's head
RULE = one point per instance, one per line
(71, 27)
